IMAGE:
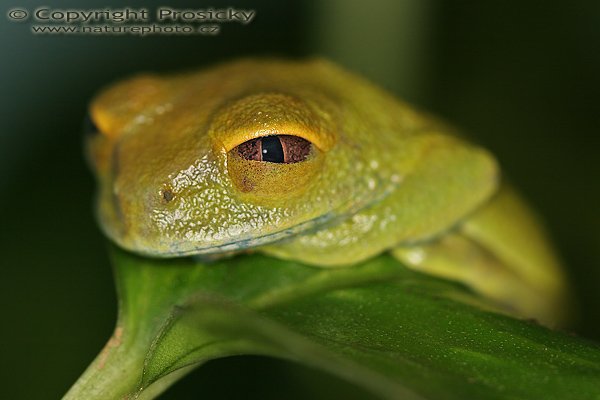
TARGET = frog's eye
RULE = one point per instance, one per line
(271, 170)
(275, 149)
(89, 126)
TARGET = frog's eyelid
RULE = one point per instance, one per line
(236, 138)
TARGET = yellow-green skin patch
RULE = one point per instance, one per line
(381, 177)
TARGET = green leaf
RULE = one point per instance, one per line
(395, 332)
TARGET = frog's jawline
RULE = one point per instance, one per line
(243, 244)
(331, 218)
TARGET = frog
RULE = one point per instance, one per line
(303, 160)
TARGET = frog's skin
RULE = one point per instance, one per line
(380, 177)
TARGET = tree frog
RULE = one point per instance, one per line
(303, 160)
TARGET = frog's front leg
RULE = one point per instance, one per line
(501, 253)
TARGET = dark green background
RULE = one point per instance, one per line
(521, 78)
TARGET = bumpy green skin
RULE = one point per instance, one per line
(381, 177)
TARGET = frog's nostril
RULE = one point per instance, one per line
(89, 128)
(167, 195)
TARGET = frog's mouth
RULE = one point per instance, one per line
(329, 219)
(235, 246)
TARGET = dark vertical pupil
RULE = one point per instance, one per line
(272, 150)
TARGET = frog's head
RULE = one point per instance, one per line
(230, 158)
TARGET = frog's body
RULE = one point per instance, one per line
(177, 178)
